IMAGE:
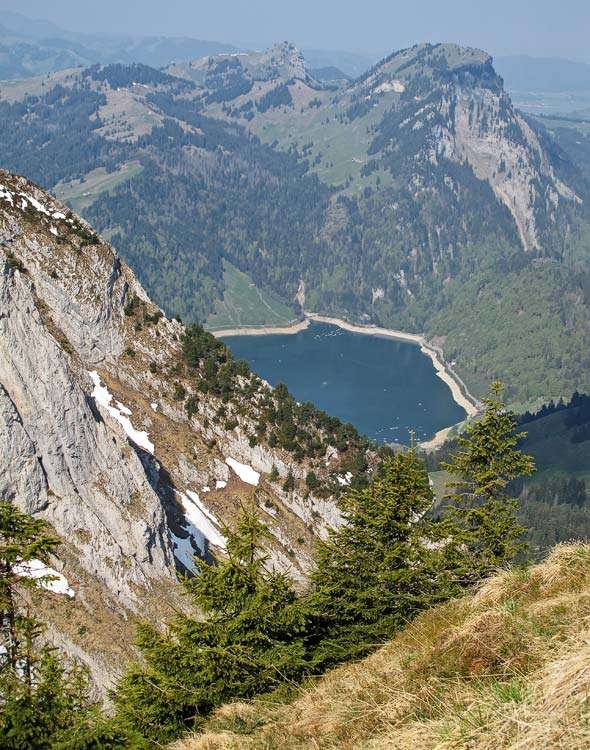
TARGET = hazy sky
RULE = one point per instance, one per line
(535, 27)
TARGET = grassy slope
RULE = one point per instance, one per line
(244, 304)
(341, 149)
(505, 667)
(80, 195)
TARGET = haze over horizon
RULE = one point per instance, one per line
(375, 27)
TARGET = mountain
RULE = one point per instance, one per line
(502, 667)
(31, 27)
(227, 77)
(415, 197)
(329, 73)
(135, 438)
(31, 47)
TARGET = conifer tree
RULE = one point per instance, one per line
(380, 568)
(249, 641)
(289, 483)
(487, 533)
(44, 704)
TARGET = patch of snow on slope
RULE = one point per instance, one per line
(123, 409)
(6, 194)
(202, 519)
(345, 480)
(246, 473)
(35, 203)
(102, 397)
(36, 569)
(220, 484)
(183, 551)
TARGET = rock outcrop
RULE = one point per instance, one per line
(94, 440)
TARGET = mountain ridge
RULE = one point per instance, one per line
(402, 198)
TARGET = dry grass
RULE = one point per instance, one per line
(505, 668)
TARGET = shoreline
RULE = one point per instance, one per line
(295, 327)
(459, 391)
(443, 371)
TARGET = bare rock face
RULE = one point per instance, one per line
(501, 147)
(21, 474)
(94, 440)
(447, 102)
(83, 478)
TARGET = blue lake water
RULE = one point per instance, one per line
(385, 388)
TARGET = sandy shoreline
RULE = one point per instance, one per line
(458, 390)
(262, 330)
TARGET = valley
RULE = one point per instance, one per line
(413, 198)
(294, 433)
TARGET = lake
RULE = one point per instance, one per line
(385, 388)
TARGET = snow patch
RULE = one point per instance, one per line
(103, 398)
(35, 569)
(35, 203)
(6, 194)
(154, 406)
(53, 230)
(58, 215)
(245, 473)
(344, 481)
(202, 520)
(123, 409)
(220, 484)
(184, 551)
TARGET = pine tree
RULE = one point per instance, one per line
(289, 483)
(44, 704)
(487, 531)
(380, 568)
(22, 539)
(250, 640)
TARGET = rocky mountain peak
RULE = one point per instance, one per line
(289, 61)
(448, 103)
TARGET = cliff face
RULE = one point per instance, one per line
(447, 102)
(94, 440)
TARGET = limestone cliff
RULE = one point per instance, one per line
(94, 440)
